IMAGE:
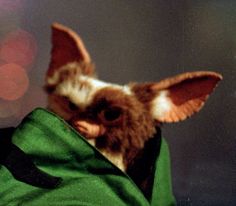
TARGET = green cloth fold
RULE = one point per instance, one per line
(89, 179)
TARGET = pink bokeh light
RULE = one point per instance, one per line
(13, 81)
(19, 47)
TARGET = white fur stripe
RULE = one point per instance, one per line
(82, 94)
(161, 105)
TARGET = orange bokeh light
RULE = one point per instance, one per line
(13, 81)
(18, 47)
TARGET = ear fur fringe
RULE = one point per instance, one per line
(172, 81)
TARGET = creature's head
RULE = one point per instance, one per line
(114, 117)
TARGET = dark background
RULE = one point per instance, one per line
(148, 41)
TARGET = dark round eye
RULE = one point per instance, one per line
(112, 114)
(72, 106)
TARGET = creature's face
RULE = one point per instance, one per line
(110, 116)
(116, 119)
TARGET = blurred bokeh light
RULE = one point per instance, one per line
(18, 50)
(18, 47)
(13, 81)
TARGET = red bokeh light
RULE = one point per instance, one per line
(18, 47)
(13, 81)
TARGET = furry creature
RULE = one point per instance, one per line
(118, 120)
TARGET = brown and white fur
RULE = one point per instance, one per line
(116, 119)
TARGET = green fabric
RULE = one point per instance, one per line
(89, 179)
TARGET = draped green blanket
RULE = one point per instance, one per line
(89, 179)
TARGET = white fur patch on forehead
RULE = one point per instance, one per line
(74, 67)
(161, 105)
(98, 84)
(81, 89)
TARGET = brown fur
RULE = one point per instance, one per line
(136, 127)
(144, 93)
(127, 136)
(130, 117)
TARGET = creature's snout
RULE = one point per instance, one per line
(89, 130)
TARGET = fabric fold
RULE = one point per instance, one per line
(88, 178)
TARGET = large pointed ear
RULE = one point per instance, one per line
(67, 47)
(174, 99)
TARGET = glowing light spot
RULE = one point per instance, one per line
(13, 81)
(19, 47)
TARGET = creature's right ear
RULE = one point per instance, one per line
(176, 98)
(67, 47)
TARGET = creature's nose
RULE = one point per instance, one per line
(89, 130)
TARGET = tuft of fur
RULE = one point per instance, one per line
(90, 97)
(129, 135)
(121, 121)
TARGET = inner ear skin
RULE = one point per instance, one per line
(181, 93)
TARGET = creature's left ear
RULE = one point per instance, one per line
(67, 47)
(174, 99)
